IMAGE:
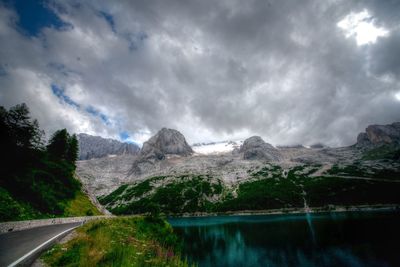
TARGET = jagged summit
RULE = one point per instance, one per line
(165, 142)
(97, 147)
(256, 148)
(376, 135)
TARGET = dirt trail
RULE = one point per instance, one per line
(364, 178)
(323, 169)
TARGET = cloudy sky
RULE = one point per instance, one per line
(289, 71)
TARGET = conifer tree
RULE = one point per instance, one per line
(22, 131)
(59, 145)
(73, 150)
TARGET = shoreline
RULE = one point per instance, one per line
(283, 211)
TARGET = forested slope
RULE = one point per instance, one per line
(37, 179)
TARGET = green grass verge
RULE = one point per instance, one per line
(132, 241)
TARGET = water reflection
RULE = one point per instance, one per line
(311, 227)
(335, 240)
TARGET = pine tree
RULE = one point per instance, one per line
(58, 145)
(73, 149)
(22, 131)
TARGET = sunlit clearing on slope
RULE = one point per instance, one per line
(361, 26)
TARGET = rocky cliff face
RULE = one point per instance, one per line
(97, 147)
(255, 148)
(165, 142)
(376, 135)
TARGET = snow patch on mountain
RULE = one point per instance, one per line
(216, 147)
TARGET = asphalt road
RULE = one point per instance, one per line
(15, 245)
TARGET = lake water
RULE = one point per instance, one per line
(331, 239)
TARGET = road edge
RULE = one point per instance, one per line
(31, 256)
(12, 226)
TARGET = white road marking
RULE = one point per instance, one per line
(15, 263)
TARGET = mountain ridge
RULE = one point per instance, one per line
(91, 146)
(231, 167)
(378, 135)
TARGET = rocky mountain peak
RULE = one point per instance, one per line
(165, 142)
(256, 148)
(376, 135)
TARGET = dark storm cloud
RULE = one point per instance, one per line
(212, 69)
(385, 56)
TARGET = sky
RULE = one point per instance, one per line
(292, 72)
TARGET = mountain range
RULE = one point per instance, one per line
(167, 162)
(97, 147)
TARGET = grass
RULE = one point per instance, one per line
(129, 241)
(80, 206)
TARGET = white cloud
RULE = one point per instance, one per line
(397, 96)
(213, 71)
(361, 26)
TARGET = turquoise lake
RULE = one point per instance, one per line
(327, 239)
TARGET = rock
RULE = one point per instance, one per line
(255, 148)
(363, 140)
(377, 135)
(103, 175)
(165, 142)
(97, 147)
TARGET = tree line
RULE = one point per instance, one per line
(37, 175)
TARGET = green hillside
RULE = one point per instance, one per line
(37, 180)
(268, 188)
